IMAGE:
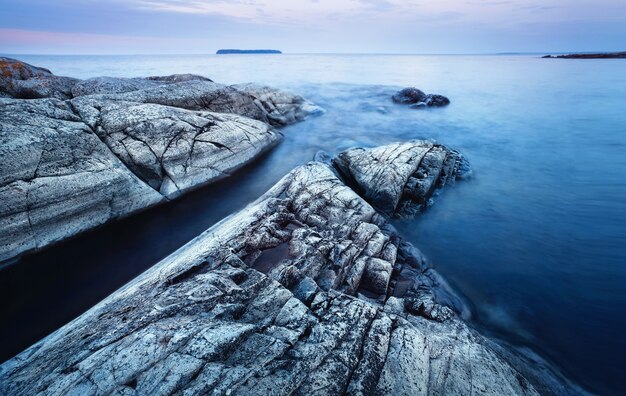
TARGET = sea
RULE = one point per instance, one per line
(534, 240)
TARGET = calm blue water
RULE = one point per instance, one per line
(536, 240)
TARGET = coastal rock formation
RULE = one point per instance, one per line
(57, 178)
(417, 98)
(399, 179)
(112, 85)
(306, 291)
(70, 165)
(24, 81)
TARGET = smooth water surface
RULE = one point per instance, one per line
(536, 239)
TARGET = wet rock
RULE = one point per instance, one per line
(21, 80)
(399, 179)
(418, 99)
(203, 321)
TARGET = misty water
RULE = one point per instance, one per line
(535, 240)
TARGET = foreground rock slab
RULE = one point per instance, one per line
(400, 179)
(306, 291)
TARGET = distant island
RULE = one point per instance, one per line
(254, 51)
(604, 55)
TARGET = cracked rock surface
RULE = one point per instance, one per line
(81, 157)
(306, 291)
(400, 179)
(57, 178)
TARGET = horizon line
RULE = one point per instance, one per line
(311, 53)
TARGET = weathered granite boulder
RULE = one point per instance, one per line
(113, 85)
(400, 179)
(417, 98)
(306, 291)
(21, 80)
(57, 178)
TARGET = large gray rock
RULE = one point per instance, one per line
(400, 178)
(68, 167)
(21, 80)
(277, 299)
(57, 178)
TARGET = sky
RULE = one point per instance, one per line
(311, 26)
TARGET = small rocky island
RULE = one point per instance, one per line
(252, 51)
(309, 290)
(602, 55)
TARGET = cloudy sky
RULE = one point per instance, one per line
(319, 26)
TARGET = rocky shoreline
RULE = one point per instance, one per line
(307, 290)
(77, 154)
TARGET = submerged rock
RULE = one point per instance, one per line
(399, 179)
(21, 80)
(340, 305)
(417, 99)
(68, 166)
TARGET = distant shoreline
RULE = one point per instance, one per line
(604, 55)
(253, 51)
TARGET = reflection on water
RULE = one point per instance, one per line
(535, 240)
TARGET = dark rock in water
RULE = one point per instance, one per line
(409, 96)
(68, 166)
(436, 100)
(418, 99)
(322, 320)
(602, 55)
(21, 80)
(399, 179)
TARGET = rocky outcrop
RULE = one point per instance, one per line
(70, 165)
(418, 99)
(306, 291)
(57, 178)
(24, 81)
(400, 179)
